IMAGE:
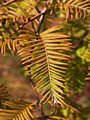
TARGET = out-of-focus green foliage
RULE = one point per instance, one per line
(84, 52)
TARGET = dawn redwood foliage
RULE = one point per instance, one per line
(49, 55)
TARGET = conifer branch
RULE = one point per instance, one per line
(7, 3)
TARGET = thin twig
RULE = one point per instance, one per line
(31, 82)
(41, 20)
(37, 33)
(7, 3)
(36, 16)
(33, 27)
(32, 18)
(33, 86)
(36, 93)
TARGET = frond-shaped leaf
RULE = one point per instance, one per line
(17, 111)
(76, 8)
(46, 59)
(7, 43)
(19, 8)
(8, 32)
